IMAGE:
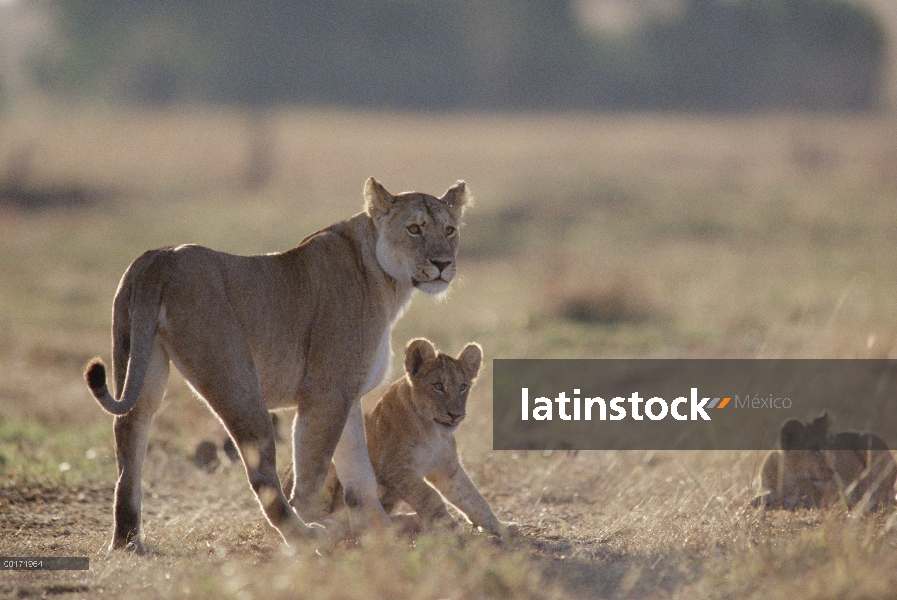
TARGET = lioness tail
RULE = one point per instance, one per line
(134, 326)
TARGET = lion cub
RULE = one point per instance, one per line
(815, 469)
(411, 442)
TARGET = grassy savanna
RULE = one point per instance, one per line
(592, 236)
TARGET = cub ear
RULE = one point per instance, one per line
(457, 198)
(821, 422)
(377, 201)
(471, 358)
(792, 435)
(417, 352)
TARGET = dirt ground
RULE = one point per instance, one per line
(593, 525)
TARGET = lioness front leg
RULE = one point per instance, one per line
(316, 430)
(355, 472)
(456, 486)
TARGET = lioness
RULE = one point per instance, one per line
(308, 328)
(815, 469)
(411, 441)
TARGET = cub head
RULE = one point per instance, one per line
(417, 234)
(796, 435)
(804, 444)
(440, 383)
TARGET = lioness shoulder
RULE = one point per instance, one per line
(410, 435)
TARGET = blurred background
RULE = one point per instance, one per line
(716, 55)
(653, 177)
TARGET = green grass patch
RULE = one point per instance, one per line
(35, 452)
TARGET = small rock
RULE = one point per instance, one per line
(206, 456)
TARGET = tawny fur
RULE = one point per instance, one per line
(410, 435)
(308, 328)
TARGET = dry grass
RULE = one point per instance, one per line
(592, 236)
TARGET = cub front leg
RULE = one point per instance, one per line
(425, 501)
(456, 486)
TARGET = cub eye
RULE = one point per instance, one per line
(439, 387)
(449, 231)
(463, 388)
(414, 229)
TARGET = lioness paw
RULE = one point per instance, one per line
(330, 530)
(406, 524)
(509, 529)
(504, 530)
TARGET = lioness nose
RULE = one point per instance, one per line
(441, 264)
(455, 415)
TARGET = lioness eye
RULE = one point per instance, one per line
(463, 388)
(449, 231)
(438, 386)
(414, 229)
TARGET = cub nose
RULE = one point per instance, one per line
(455, 415)
(441, 264)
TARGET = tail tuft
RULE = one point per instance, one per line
(96, 376)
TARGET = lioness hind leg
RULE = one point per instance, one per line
(131, 437)
(226, 378)
(253, 434)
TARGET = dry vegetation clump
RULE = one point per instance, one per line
(835, 559)
(610, 301)
(17, 190)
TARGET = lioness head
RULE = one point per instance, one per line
(417, 234)
(440, 383)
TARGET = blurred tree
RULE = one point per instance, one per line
(470, 54)
(766, 53)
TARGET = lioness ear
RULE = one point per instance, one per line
(377, 201)
(417, 352)
(471, 358)
(792, 435)
(457, 198)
